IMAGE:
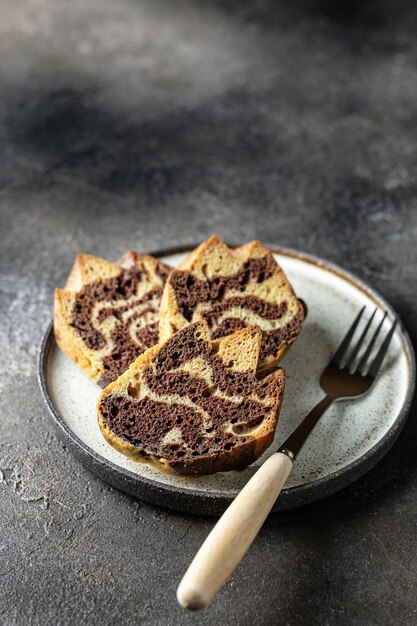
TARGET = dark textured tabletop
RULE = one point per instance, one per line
(141, 125)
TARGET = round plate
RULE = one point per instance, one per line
(350, 438)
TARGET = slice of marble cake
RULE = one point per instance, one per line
(231, 289)
(107, 315)
(191, 406)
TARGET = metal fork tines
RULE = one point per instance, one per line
(364, 366)
(344, 377)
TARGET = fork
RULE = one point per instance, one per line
(346, 377)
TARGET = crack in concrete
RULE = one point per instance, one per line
(187, 530)
(68, 180)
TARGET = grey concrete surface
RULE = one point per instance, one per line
(155, 123)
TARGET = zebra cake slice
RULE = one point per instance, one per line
(107, 315)
(191, 406)
(231, 289)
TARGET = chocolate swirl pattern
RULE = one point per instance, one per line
(231, 289)
(191, 407)
(108, 314)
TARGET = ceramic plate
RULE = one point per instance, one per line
(348, 441)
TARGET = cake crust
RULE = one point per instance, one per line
(107, 314)
(191, 406)
(231, 289)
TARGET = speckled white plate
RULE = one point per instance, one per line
(349, 439)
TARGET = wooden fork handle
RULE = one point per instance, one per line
(233, 534)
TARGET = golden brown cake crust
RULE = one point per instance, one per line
(232, 289)
(191, 407)
(108, 312)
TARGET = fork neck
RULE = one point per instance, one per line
(293, 445)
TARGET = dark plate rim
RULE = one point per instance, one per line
(214, 503)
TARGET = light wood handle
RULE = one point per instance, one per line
(233, 534)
